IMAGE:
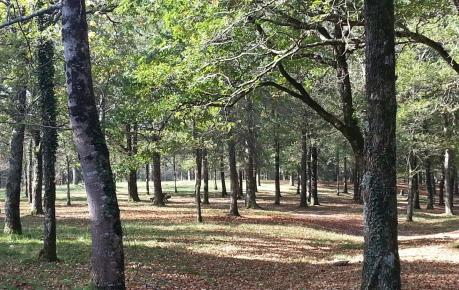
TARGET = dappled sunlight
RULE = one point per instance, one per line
(166, 248)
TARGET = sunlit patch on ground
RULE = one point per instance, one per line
(278, 247)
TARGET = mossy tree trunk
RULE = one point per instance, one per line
(48, 102)
(381, 264)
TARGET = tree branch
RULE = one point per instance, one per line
(44, 11)
(437, 46)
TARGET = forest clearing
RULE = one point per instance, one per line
(278, 247)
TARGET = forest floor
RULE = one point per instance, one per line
(278, 247)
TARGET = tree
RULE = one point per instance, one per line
(37, 207)
(205, 173)
(107, 242)
(131, 147)
(314, 175)
(157, 188)
(412, 185)
(381, 265)
(13, 183)
(250, 148)
(430, 182)
(304, 170)
(45, 54)
(233, 176)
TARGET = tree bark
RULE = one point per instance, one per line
(205, 167)
(345, 175)
(157, 188)
(430, 183)
(277, 193)
(412, 186)
(13, 183)
(250, 149)
(415, 183)
(30, 170)
(198, 185)
(222, 176)
(304, 171)
(75, 178)
(215, 178)
(174, 165)
(67, 163)
(298, 181)
(49, 114)
(132, 175)
(309, 174)
(241, 180)
(337, 172)
(107, 243)
(314, 176)
(24, 172)
(233, 178)
(37, 207)
(147, 178)
(441, 189)
(381, 265)
(449, 181)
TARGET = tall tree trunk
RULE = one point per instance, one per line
(233, 178)
(352, 130)
(258, 177)
(67, 163)
(449, 181)
(215, 178)
(132, 185)
(30, 170)
(205, 167)
(75, 178)
(24, 173)
(250, 148)
(147, 178)
(357, 176)
(49, 114)
(157, 188)
(304, 171)
(337, 171)
(277, 194)
(37, 207)
(381, 264)
(345, 175)
(174, 165)
(107, 242)
(314, 176)
(198, 185)
(222, 176)
(412, 186)
(13, 183)
(298, 181)
(132, 175)
(430, 183)
(309, 174)
(441, 189)
(241, 180)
